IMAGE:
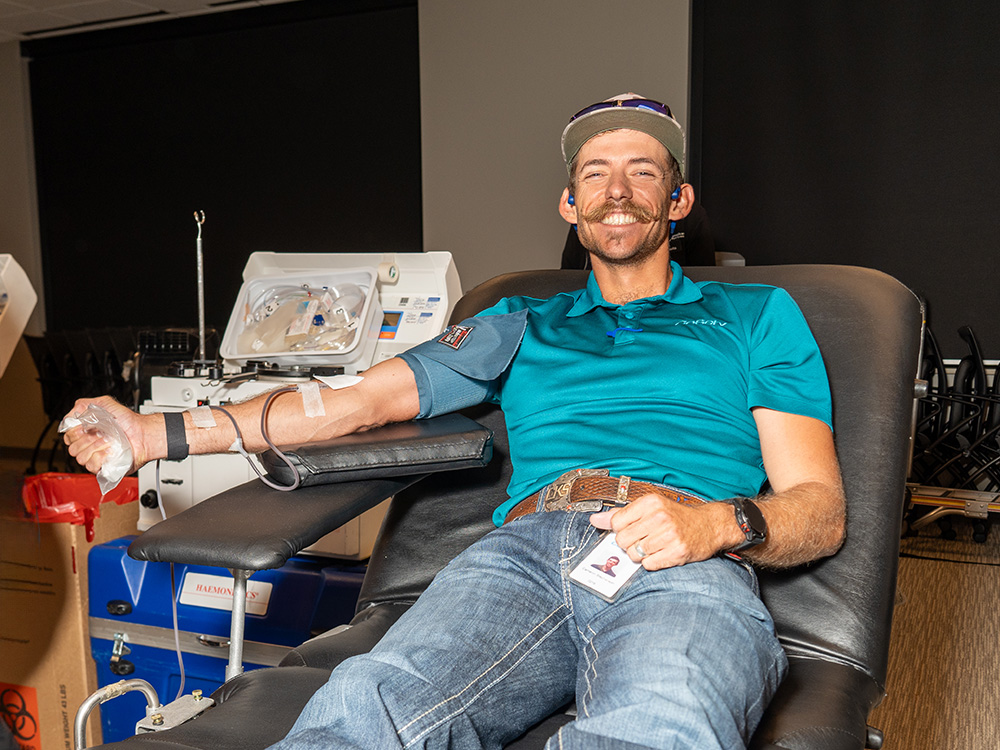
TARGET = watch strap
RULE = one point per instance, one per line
(754, 529)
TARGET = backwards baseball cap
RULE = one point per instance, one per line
(629, 111)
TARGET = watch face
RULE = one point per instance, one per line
(755, 517)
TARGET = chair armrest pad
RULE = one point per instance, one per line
(254, 527)
(423, 446)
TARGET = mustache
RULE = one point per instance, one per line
(626, 206)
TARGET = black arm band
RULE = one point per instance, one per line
(177, 445)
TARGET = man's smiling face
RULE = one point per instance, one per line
(622, 196)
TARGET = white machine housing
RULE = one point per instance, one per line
(410, 300)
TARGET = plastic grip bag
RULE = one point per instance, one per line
(118, 462)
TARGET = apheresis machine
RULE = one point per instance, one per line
(299, 317)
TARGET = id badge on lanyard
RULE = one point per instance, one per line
(605, 569)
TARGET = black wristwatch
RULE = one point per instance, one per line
(751, 522)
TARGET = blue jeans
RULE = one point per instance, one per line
(685, 658)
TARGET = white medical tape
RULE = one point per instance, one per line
(388, 273)
(312, 402)
(202, 417)
(336, 382)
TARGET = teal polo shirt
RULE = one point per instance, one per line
(659, 389)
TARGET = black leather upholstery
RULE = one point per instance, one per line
(833, 617)
(444, 443)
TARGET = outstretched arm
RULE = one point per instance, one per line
(805, 513)
(388, 393)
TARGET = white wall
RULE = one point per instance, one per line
(498, 81)
(18, 215)
(22, 416)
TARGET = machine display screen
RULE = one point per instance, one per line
(390, 324)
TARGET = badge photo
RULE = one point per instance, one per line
(605, 569)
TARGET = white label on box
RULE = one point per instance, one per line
(216, 592)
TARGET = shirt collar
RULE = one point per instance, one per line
(680, 292)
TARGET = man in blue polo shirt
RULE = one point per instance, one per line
(629, 404)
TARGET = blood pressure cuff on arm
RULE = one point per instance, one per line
(460, 367)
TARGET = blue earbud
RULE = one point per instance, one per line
(674, 196)
(571, 201)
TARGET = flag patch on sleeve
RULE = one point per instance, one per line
(455, 336)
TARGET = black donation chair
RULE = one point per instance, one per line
(833, 616)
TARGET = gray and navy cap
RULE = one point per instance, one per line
(630, 111)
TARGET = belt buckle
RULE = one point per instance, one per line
(555, 496)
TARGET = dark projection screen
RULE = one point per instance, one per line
(294, 127)
(857, 133)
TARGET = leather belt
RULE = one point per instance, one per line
(593, 490)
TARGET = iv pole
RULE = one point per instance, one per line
(199, 218)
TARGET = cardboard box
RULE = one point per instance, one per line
(46, 671)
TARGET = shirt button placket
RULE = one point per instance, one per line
(628, 317)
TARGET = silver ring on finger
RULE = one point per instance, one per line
(639, 550)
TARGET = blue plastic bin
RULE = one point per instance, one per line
(285, 607)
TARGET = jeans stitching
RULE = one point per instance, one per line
(564, 559)
(590, 670)
(565, 565)
(479, 677)
(573, 550)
